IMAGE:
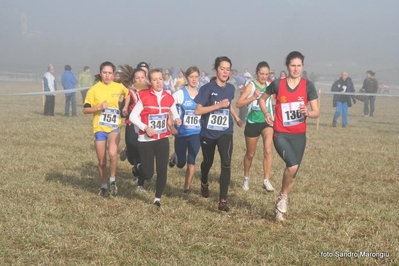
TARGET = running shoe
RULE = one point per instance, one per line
(186, 192)
(245, 184)
(205, 190)
(123, 154)
(172, 160)
(223, 205)
(103, 193)
(113, 188)
(280, 207)
(136, 170)
(157, 203)
(267, 185)
(141, 189)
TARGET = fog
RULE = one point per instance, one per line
(336, 35)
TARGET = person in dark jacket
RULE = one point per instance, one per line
(341, 101)
(370, 85)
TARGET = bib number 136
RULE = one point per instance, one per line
(291, 115)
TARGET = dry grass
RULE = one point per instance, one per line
(345, 198)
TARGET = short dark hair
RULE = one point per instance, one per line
(86, 68)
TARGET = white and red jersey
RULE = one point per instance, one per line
(155, 113)
(133, 100)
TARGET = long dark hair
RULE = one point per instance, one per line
(219, 60)
(293, 55)
(262, 64)
(97, 77)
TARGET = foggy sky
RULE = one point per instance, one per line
(352, 34)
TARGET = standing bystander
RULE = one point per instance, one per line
(342, 101)
(49, 84)
(370, 85)
(85, 80)
(69, 81)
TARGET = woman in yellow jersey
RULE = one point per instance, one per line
(102, 100)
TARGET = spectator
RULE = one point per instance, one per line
(342, 101)
(69, 82)
(85, 80)
(49, 84)
(370, 85)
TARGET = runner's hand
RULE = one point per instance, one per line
(178, 121)
(224, 103)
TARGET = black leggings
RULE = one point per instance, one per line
(225, 148)
(160, 150)
(131, 141)
(290, 147)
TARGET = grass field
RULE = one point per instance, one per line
(345, 201)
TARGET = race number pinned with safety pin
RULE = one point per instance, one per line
(191, 120)
(219, 120)
(158, 122)
(109, 117)
(291, 114)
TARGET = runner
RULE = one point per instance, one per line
(180, 81)
(256, 125)
(102, 100)
(135, 80)
(151, 115)
(292, 97)
(213, 103)
(187, 142)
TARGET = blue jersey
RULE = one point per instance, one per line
(219, 122)
(186, 107)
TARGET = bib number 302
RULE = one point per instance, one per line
(219, 120)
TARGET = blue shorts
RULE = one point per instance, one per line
(101, 135)
(186, 149)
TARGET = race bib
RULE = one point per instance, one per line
(158, 122)
(219, 120)
(110, 118)
(191, 120)
(291, 115)
(255, 105)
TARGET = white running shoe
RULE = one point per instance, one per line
(141, 189)
(267, 185)
(245, 184)
(280, 207)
